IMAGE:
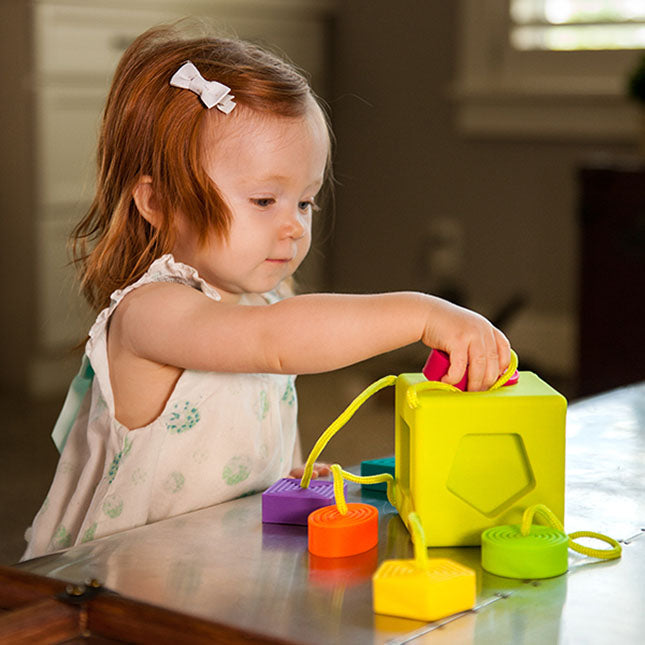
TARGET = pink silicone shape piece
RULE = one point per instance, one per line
(286, 502)
(437, 366)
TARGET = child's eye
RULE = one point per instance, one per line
(308, 205)
(263, 202)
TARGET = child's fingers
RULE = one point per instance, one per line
(477, 370)
(483, 370)
(322, 469)
(493, 359)
(458, 364)
(474, 355)
(319, 470)
(492, 370)
(503, 350)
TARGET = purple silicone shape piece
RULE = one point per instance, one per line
(286, 502)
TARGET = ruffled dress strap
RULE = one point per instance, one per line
(95, 363)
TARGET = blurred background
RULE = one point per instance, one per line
(490, 151)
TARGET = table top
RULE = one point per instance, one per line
(224, 565)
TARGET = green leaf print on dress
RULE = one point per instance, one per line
(88, 536)
(139, 476)
(174, 482)
(61, 539)
(236, 470)
(184, 416)
(262, 405)
(116, 462)
(289, 396)
(113, 506)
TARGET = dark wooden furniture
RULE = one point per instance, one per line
(35, 609)
(612, 278)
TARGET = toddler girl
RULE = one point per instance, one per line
(212, 155)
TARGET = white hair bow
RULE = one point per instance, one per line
(211, 93)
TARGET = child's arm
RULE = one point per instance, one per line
(176, 325)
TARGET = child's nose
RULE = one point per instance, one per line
(293, 225)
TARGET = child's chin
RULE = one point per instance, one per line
(264, 287)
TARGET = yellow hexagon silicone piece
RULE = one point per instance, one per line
(402, 588)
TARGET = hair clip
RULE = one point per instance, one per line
(211, 93)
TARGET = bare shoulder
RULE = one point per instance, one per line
(141, 380)
(159, 308)
(158, 296)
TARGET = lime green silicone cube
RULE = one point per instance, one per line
(402, 588)
(466, 461)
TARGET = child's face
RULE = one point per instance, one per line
(269, 171)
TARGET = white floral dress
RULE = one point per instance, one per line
(220, 436)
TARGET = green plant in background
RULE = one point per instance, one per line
(636, 83)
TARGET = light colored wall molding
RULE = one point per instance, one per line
(301, 7)
(549, 115)
(565, 96)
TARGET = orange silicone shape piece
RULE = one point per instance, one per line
(332, 535)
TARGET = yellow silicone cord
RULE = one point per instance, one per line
(418, 540)
(414, 390)
(339, 493)
(339, 475)
(550, 518)
(601, 554)
(545, 513)
(344, 417)
(506, 376)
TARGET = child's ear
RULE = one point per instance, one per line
(146, 201)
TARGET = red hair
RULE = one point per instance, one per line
(151, 128)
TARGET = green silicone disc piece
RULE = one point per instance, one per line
(543, 553)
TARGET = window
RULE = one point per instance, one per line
(549, 68)
(570, 25)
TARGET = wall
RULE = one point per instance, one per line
(401, 164)
(17, 200)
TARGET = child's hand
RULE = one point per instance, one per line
(320, 470)
(471, 341)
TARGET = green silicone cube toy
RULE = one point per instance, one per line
(466, 461)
